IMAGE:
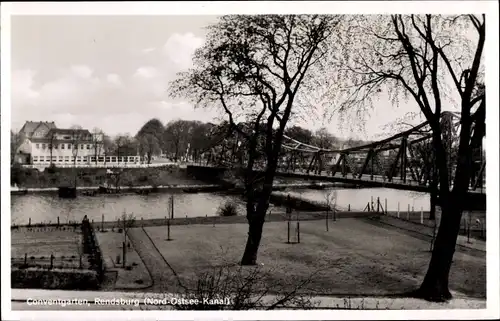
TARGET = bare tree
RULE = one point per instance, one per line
(253, 67)
(418, 57)
(128, 222)
(77, 136)
(97, 142)
(331, 204)
(52, 139)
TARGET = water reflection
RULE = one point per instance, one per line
(357, 199)
(45, 208)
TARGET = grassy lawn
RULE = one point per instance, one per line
(135, 276)
(353, 258)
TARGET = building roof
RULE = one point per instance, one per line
(30, 127)
(69, 131)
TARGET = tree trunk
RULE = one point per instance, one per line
(255, 227)
(432, 213)
(435, 284)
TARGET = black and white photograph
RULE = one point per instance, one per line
(284, 160)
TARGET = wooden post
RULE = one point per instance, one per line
(378, 204)
(408, 213)
(371, 204)
(58, 221)
(142, 222)
(51, 261)
(288, 232)
(102, 223)
(25, 259)
(298, 232)
(421, 215)
(124, 253)
(349, 207)
(168, 230)
(326, 221)
(398, 209)
(385, 207)
(29, 222)
(172, 206)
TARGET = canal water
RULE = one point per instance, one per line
(357, 199)
(46, 208)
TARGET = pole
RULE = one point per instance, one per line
(288, 232)
(102, 223)
(58, 221)
(326, 221)
(349, 207)
(298, 232)
(29, 222)
(385, 207)
(408, 213)
(168, 230)
(124, 253)
(398, 209)
(172, 205)
(421, 215)
(378, 204)
(371, 203)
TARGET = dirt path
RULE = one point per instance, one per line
(161, 273)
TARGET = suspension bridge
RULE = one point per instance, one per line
(404, 161)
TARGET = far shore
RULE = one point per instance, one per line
(188, 187)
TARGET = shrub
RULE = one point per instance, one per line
(51, 169)
(228, 209)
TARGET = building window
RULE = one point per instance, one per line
(66, 158)
(81, 146)
(56, 146)
(37, 146)
(61, 158)
(62, 146)
(43, 146)
(54, 158)
(35, 158)
(88, 146)
(69, 146)
(41, 158)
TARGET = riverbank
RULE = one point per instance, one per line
(189, 188)
(54, 177)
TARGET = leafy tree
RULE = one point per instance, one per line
(149, 145)
(253, 68)
(125, 145)
(323, 139)
(176, 136)
(15, 143)
(418, 57)
(149, 138)
(303, 135)
(152, 127)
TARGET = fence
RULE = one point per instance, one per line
(50, 262)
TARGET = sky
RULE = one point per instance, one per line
(112, 72)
